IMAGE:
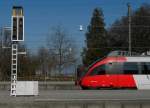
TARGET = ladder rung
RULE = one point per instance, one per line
(14, 59)
(14, 47)
(14, 54)
(14, 78)
(14, 64)
(14, 81)
(13, 74)
(14, 68)
(13, 92)
(13, 84)
(13, 87)
(14, 51)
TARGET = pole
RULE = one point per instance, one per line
(129, 20)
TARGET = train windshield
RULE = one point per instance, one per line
(100, 70)
(94, 63)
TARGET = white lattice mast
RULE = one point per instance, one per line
(17, 35)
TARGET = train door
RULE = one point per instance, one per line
(112, 71)
(143, 79)
(126, 79)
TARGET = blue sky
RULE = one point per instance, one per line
(41, 15)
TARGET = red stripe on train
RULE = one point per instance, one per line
(115, 81)
(107, 60)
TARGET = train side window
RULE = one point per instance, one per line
(130, 68)
(114, 68)
(148, 68)
(100, 70)
(145, 68)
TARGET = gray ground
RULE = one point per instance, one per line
(66, 95)
(80, 95)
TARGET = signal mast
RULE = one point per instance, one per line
(17, 35)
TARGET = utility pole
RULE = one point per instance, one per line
(129, 22)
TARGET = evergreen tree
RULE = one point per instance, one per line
(95, 39)
(140, 31)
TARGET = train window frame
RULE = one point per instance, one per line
(95, 72)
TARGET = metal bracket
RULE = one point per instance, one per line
(5, 47)
(22, 53)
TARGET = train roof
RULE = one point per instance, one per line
(138, 59)
(112, 59)
(123, 53)
(121, 56)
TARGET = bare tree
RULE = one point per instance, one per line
(62, 47)
(46, 62)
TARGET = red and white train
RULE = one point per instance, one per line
(118, 70)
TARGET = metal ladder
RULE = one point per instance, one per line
(14, 69)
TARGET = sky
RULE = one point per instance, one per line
(42, 15)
